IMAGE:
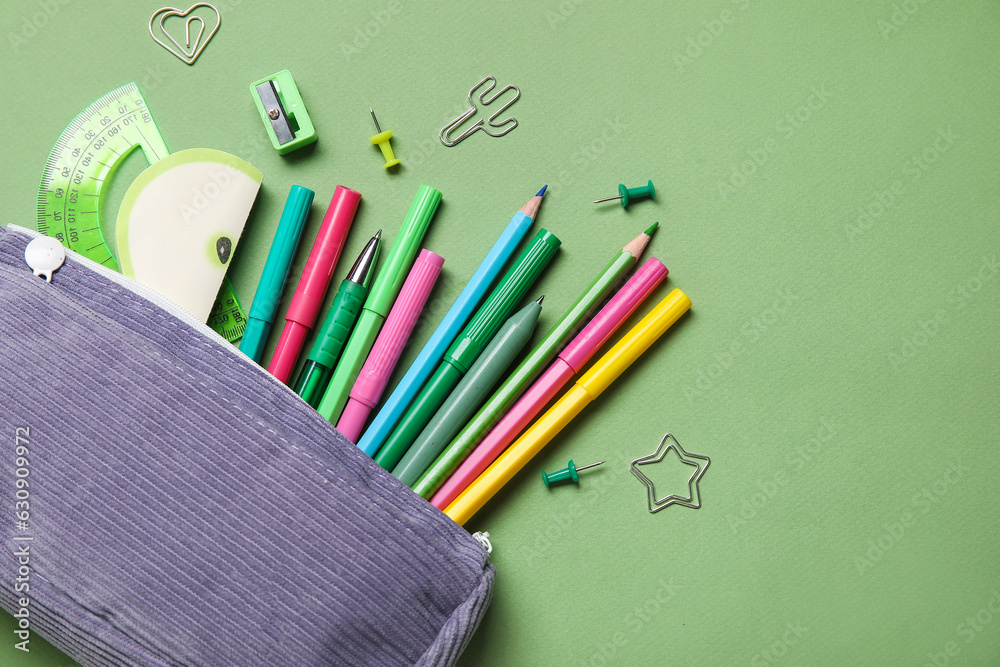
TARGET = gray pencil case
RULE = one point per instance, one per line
(180, 506)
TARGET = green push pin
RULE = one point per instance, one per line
(627, 194)
(382, 141)
(567, 473)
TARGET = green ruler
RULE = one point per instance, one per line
(83, 160)
(227, 316)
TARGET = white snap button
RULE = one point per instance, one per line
(44, 255)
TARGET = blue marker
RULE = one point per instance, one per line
(279, 262)
(452, 323)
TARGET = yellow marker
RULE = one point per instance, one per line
(382, 141)
(587, 388)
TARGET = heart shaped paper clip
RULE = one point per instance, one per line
(191, 52)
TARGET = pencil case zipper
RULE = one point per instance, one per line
(169, 306)
(156, 299)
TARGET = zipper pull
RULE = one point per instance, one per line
(44, 256)
(484, 539)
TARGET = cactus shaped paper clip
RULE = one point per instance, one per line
(481, 124)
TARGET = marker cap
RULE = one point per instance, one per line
(404, 249)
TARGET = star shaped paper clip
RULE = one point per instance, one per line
(700, 463)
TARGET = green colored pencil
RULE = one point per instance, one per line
(568, 326)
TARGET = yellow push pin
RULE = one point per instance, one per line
(382, 140)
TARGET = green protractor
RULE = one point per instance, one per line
(84, 160)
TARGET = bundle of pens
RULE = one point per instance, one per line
(441, 432)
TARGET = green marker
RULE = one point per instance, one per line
(518, 381)
(469, 344)
(383, 294)
(469, 393)
(316, 372)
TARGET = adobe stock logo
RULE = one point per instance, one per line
(922, 335)
(752, 330)
(785, 129)
(29, 27)
(635, 621)
(766, 490)
(363, 35)
(610, 135)
(700, 42)
(923, 501)
(968, 630)
(780, 647)
(901, 14)
(882, 200)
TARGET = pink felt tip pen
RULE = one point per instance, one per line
(316, 276)
(569, 362)
(374, 376)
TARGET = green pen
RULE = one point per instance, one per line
(469, 393)
(469, 344)
(329, 343)
(383, 294)
(536, 360)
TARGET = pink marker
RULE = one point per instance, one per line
(569, 362)
(374, 376)
(316, 276)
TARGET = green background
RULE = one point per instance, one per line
(840, 370)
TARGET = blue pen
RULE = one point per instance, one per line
(452, 323)
(272, 280)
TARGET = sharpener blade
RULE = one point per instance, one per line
(275, 111)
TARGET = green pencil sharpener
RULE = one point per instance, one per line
(285, 118)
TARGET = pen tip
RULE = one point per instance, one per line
(378, 234)
(542, 191)
(539, 299)
(652, 228)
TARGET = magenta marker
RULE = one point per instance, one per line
(375, 374)
(316, 276)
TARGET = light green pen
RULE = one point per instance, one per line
(380, 299)
(344, 311)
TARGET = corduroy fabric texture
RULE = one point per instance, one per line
(187, 508)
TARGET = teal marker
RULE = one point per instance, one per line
(469, 394)
(279, 262)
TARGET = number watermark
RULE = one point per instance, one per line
(22, 537)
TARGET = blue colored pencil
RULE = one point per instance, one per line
(452, 323)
